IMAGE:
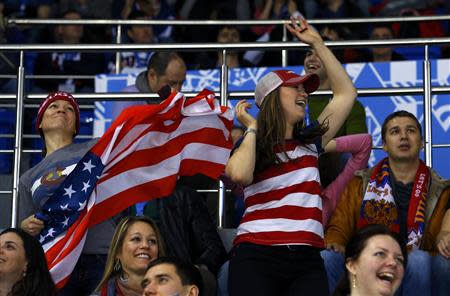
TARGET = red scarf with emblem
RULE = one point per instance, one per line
(378, 205)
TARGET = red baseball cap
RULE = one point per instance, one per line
(278, 78)
(59, 95)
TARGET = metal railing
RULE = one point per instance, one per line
(224, 94)
(120, 23)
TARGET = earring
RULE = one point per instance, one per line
(24, 274)
(353, 281)
(118, 270)
(117, 266)
(123, 278)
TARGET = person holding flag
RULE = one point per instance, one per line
(139, 158)
(58, 122)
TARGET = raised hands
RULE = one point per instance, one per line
(242, 115)
(300, 28)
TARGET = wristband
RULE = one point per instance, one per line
(250, 130)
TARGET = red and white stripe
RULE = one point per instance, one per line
(144, 153)
(283, 204)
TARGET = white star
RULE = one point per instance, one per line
(64, 208)
(82, 205)
(65, 222)
(85, 186)
(41, 238)
(50, 233)
(88, 166)
(69, 191)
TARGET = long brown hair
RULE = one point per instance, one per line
(117, 243)
(272, 129)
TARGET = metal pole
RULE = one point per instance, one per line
(427, 108)
(284, 55)
(18, 141)
(223, 102)
(118, 41)
(113, 22)
(220, 46)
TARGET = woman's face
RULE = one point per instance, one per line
(140, 246)
(379, 269)
(59, 115)
(293, 102)
(13, 262)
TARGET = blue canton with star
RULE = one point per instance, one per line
(66, 204)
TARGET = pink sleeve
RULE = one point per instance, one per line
(360, 146)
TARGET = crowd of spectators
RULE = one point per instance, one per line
(67, 63)
(182, 218)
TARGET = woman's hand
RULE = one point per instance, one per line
(242, 115)
(300, 28)
(32, 225)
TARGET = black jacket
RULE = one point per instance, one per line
(188, 229)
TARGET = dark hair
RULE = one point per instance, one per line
(64, 13)
(188, 273)
(401, 113)
(229, 27)
(272, 129)
(37, 280)
(160, 60)
(382, 25)
(358, 243)
(136, 15)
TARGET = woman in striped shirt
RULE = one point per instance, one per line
(277, 248)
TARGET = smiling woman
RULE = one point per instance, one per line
(136, 243)
(278, 243)
(58, 122)
(375, 262)
(23, 269)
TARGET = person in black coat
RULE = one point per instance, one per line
(188, 230)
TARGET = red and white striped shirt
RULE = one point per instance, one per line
(283, 204)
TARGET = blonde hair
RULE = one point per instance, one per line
(117, 243)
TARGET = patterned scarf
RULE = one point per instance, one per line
(378, 206)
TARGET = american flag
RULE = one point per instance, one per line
(139, 158)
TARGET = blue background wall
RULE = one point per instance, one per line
(364, 75)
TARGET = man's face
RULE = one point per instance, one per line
(313, 64)
(174, 76)
(141, 34)
(403, 140)
(228, 35)
(71, 34)
(381, 33)
(163, 280)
